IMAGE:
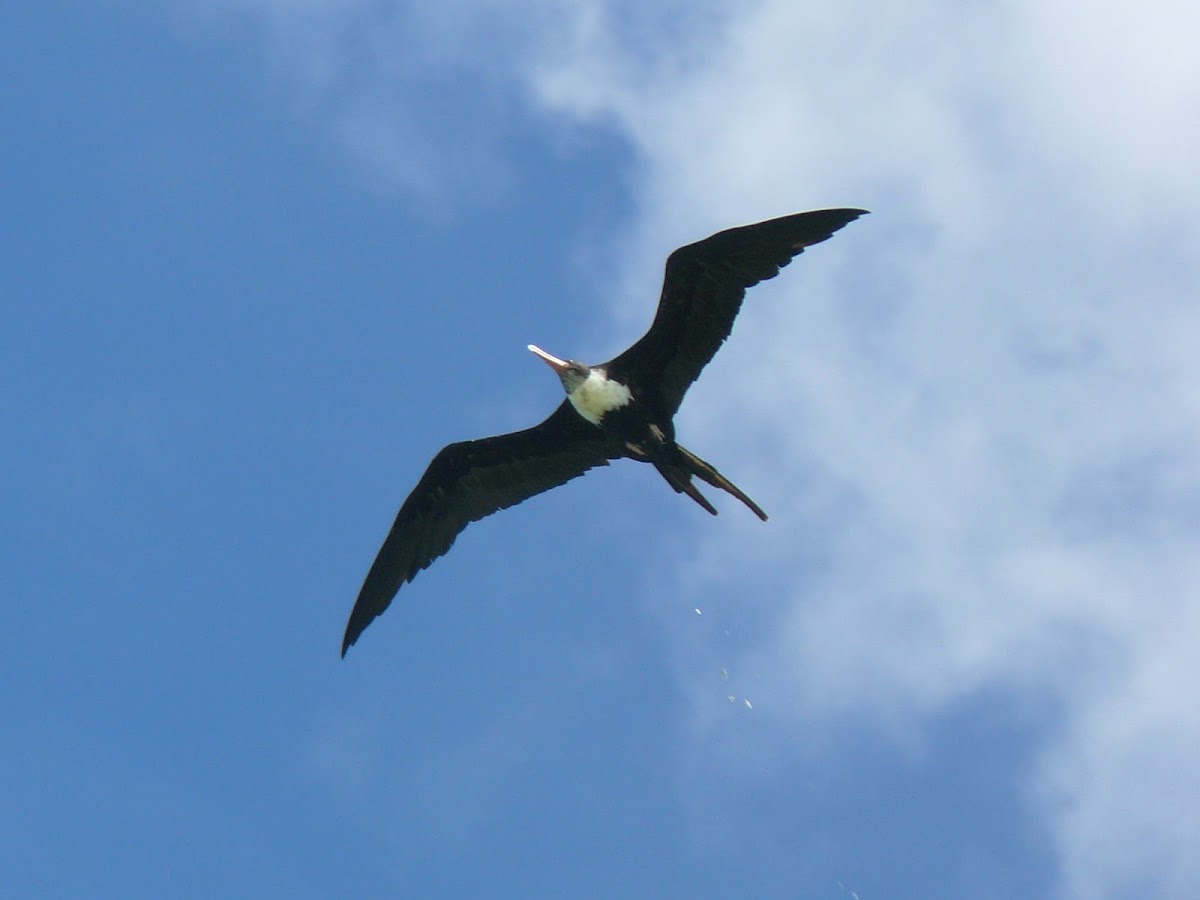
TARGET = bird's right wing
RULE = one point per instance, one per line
(466, 482)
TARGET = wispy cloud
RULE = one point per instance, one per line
(982, 402)
(412, 92)
(428, 99)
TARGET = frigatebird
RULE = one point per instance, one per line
(623, 408)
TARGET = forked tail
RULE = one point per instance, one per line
(680, 478)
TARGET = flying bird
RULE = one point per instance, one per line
(623, 408)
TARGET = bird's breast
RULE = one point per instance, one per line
(598, 396)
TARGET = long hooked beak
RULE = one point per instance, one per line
(558, 365)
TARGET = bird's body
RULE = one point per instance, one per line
(624, 408)
(635, 423)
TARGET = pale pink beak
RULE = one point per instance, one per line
(558, 365)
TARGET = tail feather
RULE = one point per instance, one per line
(694, 492)
(708, 474)
(681, 479)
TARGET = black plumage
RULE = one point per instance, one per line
(632, 398)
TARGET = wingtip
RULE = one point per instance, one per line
(831, 222)
(851, 213)
(845, 215)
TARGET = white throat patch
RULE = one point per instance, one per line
(597, 396)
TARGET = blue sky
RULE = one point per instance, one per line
(263, 258)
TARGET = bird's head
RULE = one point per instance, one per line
(571, 373)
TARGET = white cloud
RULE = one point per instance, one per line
(1121, 783)
(1001, 436)
(983, 402)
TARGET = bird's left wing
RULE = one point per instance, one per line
(703, 288)
(466, 482)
